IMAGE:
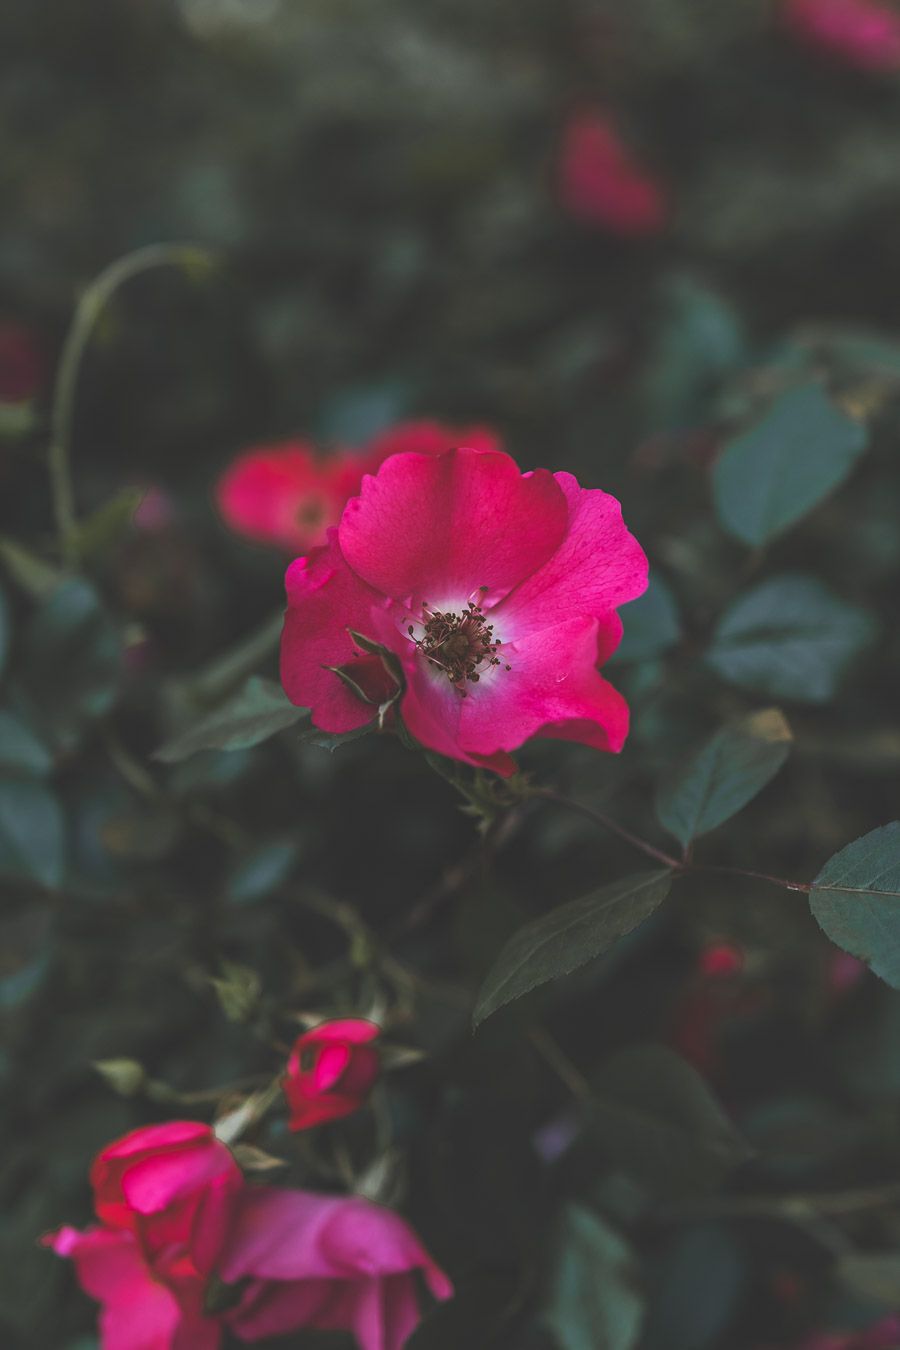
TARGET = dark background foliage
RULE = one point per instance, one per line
(373, 180)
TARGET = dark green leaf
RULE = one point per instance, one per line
(594, 1301)
(656, 1119)
(569, 937)
(32, 834)
(770, 476)
(71, 661)
(789, 638)
(20, 750)
(260, 710)
(725, 774)
(856, 900)
(651, 624)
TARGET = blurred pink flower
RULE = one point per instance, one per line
(864, 34)
(331, 1071)
(288, 494)
(495, 590)
(602, 183)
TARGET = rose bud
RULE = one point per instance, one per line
(331, 1071)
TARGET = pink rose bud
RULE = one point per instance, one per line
(288, 495)
(331, 1071)
(495, 590)
(863, 34)
(601, 183)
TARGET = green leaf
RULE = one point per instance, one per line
(790, 637)
(656, 1119)
(568, 937)
(594, 1301)
(32, 833)
(20, 750)
(856, 900)
(773, 474)
(71, 661)
(724, 775)
(651, 624)
(259, 711)
(260, 871)
(697, 1289)
(93, 536)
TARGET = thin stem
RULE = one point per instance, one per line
(560, 1063)
(798, 1207)
(804, 886)
(606, 823)
(62, 416)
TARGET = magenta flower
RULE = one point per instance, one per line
(331, 1071)
(864, 34)
(288, 494)
(184, 1249)
(496, 593)
(602, 183)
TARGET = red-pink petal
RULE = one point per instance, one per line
(353, 1030)
(598, 566)
(438, 528)
(602, 183)
(325, 599)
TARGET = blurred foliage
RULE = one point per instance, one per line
(370, 188)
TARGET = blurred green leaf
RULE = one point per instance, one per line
(655, 1118)
(261, 871)
(856, 900)
(239, 988)
(93, 536)
(773, 474)
(29, 571)
(20, 750)
(651, 624)
(871, 1275)
(124, 1076)
(697, 1288)
(71, 662)
(260, 710)
(700, 339)
(32, 833)
(568, 937)
(789, 637)
(724, 775)
(594, 1301)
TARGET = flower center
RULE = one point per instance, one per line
(462, 645)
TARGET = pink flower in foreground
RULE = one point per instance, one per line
(276, 1261)
(495, 590)
(331, 1071)
(287, 495)
(864, 34)
(601, 183)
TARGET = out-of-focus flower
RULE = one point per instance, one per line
(273, 1261)
(864, 34)
(331, 1071)
(21, 364)
(496, 592)
(602, 183)
(287, 495)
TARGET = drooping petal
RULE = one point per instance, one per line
(138, 1312)
(325, 600)
(598, 566)
(552, 689)
(273, 1308)
(439, 528)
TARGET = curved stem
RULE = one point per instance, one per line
(87, 312)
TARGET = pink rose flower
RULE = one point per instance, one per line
(287, 495)
(864, 34)
(601, 183)
(496, 592)
(275, 1261)
(331, 1071)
